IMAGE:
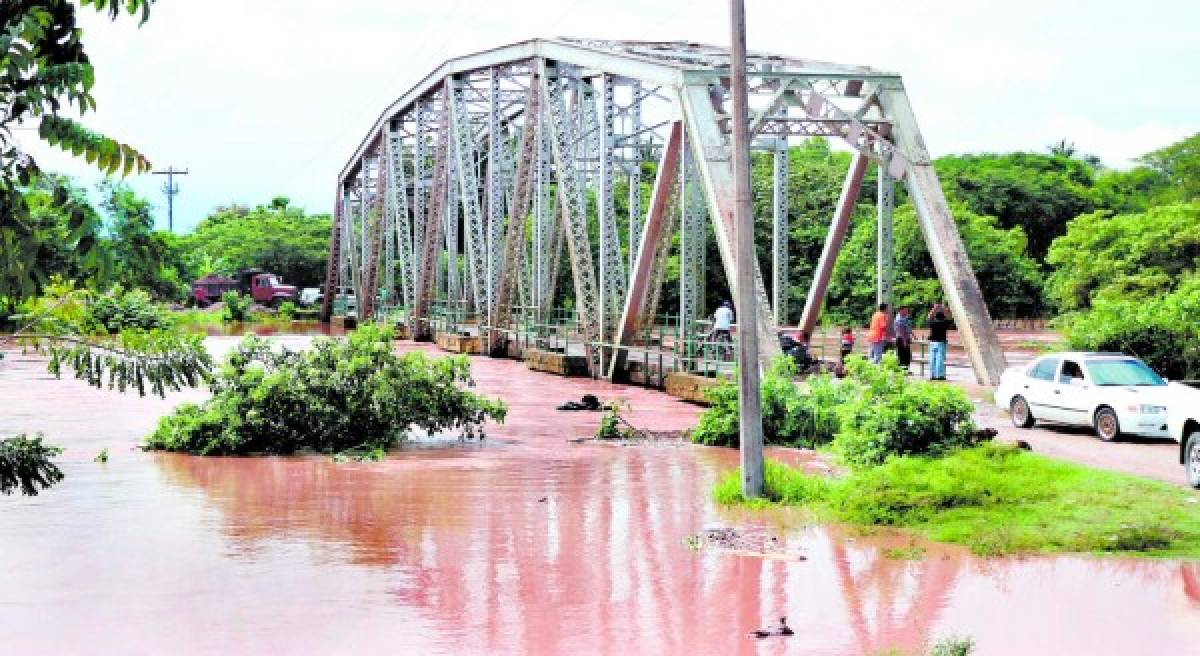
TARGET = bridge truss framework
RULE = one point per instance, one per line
(468, 189)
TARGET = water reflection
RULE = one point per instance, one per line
(600, 566)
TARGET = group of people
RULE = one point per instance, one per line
(887, 331)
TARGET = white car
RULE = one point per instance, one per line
(1183, 422)
(1113, 393)
(309, 296)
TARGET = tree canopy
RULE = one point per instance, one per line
(276, 237)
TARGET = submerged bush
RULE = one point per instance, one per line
(791, 416)
(876, 413)
(25, 465)
(339, 395)
(889, 414)
(237, 307)
(120, 309)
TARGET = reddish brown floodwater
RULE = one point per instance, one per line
(528, 544)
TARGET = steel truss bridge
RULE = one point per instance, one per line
(466, 191)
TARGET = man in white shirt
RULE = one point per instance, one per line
(722, 323)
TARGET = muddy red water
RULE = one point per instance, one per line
(524, 544)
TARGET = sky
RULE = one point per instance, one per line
(265, 98)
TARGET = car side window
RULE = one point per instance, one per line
(1045, 369)
(1070, 370)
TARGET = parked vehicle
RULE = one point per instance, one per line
(1115, 394)
(208, 289)
(1183, 423)
(265, 288)
(309, 296)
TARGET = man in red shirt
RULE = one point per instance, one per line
(877, 333)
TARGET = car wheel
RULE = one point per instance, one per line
(1108, 428)
(1018, 410)
(1191, 460)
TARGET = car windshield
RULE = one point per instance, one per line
(1123, 372)
(271, 281)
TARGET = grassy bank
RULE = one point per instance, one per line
(996, 500)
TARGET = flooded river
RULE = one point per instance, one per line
(525, 544)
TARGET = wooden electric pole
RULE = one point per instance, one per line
(749, 406)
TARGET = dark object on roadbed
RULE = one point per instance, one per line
(782, 629)
(588, 402)
(1022, 444)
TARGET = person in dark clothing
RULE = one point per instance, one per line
(939, 325)
(902, 327)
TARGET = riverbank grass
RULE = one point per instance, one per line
(996, 500)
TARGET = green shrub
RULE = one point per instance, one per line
(25, 465)
(1162, 331)
(120, 309)
(791, 416)
(337, 396)
(237, 307)
(287, 310)
(889, 414)
(781, 484)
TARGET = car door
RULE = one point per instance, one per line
(1071, 393)
(1038, 389)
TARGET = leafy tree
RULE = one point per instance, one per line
(44, 72)
(1179, 163)
(59, 226)
(1038, 193)
(1139, 255)
(143, 258)
(1009, 279)
(276, 237)
(1160, 329)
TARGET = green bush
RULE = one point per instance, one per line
(889, 414)
(1162, 331)
(287, 310)
(237, 307)
(121, 309)
(791, 416)
(25, 465)
(338, 395)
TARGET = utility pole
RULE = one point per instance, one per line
(749, 406)
(171, 190)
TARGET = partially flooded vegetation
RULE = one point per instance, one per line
(996, 500)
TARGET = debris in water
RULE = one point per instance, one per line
(781, 629)
(749, 542)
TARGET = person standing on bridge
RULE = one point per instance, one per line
(722, 323)
(903, 329)
(939, 324)
(877, 333)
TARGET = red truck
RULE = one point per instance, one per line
(265, 288)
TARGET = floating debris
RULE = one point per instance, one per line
(741, 542)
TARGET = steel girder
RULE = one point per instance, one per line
(833, 241)
(885, 244)
(779, 229)
(573, 210)
(459, 124)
